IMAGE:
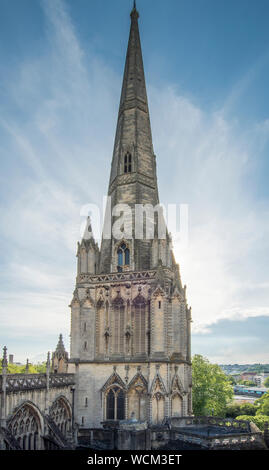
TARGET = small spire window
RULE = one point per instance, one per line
(123, 256)
(127, 163)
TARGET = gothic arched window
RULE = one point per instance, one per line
(60, 413)
(118, 326)
(22, 426)
(115, 403)
(123, 256)
(127, 163)
(139, 318)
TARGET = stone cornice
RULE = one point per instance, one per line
(124, 276)
(128, 178)
(116, 277)
(20, 382)
(131, 360)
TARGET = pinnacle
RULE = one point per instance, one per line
(4, 361)
(134, 13)
(60, 345)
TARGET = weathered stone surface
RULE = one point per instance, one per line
(130, 330)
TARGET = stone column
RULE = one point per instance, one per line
(3, 415)
(47, 384)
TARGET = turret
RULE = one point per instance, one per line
(88, 252)
(60, 358)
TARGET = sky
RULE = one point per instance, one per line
(206, 65)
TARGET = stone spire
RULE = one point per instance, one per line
(133, 172)
(60, 346)
(88, 233)
(133, 133)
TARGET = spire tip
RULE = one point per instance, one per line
(134, 12)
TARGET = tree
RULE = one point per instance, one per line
(259, 420)
(232, 380)
(263, 405)
(41, 368)
(248, 409)
(235, 409)
(212, 390)
(266, 382)
(20, 369)
(248, 383)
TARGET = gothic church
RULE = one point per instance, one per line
(130, 322)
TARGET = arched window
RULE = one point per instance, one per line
(139, 319)
(110, 405)
(123, 256)
(115, 403)
(22, 426)
(60, 413)
(127, 163)
(118, 326)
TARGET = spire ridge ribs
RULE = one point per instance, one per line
(133, 126)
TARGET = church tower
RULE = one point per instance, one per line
(130, 322)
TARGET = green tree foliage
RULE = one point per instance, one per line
(258, 412)
(233, 410)
(259, 420)
(41, 368)
(232, 380)
(266, 382)
(248, 409)
(248, 383)
(20, 369)
(211, 388)
(263, 405)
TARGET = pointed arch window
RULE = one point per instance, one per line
(123, 256)
(115, 403)
(139, 319)
(118, 322)
(127, 163)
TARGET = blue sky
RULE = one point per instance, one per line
(207, 67)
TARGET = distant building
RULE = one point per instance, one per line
(248, 376)
(260, 379)
(235, 376)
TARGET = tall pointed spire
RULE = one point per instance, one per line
(133, 171)
(133, 133)
(60, 346)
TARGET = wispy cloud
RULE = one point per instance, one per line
(210, 162)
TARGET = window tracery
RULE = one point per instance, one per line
(115, 404)
(127, 163)
(26, 427)
(123, 254)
